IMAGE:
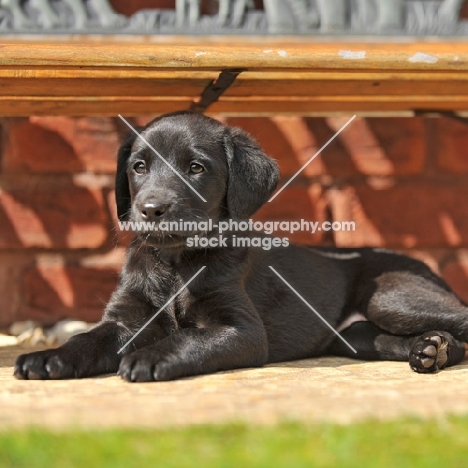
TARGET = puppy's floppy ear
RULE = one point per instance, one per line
(122, 189)
(252, 174)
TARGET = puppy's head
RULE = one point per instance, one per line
(190, 167)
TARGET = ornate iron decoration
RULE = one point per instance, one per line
(309, 17)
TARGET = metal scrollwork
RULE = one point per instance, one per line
(397, 17)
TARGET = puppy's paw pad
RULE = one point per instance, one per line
(429, 353)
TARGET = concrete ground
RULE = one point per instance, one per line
(327, 389)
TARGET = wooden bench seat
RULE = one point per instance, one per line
(296, 76)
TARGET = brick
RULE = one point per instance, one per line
(455, 272)
(294, 204)
(52, 291)
(94, 140)
(452, 146)
(30, 148)
(421, 214)
(345, 205)
(51, 214)
(286, 139)
(377, 147)
(10, 277)
(142, 120)
(371, 147)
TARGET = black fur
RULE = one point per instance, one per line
(237, 312)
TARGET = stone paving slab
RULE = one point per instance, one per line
(315, 390)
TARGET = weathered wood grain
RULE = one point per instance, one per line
(303, 76)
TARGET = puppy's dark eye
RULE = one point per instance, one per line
(196, 168)
(140, 167)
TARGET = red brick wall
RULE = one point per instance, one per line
(403, 181)
(58, 247)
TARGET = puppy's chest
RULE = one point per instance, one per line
(179, 307)
(185, 312)
(178, 296)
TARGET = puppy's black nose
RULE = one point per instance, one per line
(153, 211)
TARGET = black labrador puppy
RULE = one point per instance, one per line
(237, 312)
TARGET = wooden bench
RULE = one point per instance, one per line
(295, 76)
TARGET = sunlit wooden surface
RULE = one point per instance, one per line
(299, 76)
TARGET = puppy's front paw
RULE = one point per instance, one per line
(429, 353)
(43, 365)
(144, 366)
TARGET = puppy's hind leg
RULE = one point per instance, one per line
(405, 303)
(426, 353)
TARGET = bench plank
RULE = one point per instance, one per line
(299, 76)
